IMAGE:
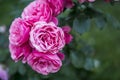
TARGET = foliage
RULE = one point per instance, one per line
(92, 55)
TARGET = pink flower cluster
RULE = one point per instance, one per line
(3, 73)
(35, 38)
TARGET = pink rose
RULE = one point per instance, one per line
(47, 37)
(82, 1)
(57, 6)
(68, 37)
(69, 3)
(44, 63)
(61, 55)
(55, 20)
(37, 10)
(20, 52)
(19, 32)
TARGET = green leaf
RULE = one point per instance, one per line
(12, 67)
(33, 78)
(88, 50)
(75, 1)
(100, 22)
(21, 69)
(113, 21)
(89, 64)
(77, 59)
(67, 70)
(3, 54)
(92, 12)
(81, 25)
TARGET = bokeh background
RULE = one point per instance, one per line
(93, 54)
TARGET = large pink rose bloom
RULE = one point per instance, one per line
(44, 63)
(37, 10)
(68, 3)
(57, 6)
(68, 37)
(47, 37)
(19, 32)
(61, 55)
(20, 52)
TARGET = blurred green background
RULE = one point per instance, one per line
(94, 55)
